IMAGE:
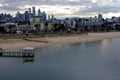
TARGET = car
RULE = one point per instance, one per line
(19, 32)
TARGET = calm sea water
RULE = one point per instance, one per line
(98, 60)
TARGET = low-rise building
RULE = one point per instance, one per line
(89, 24)
(10, 27)
(37, 23)
(24, 26)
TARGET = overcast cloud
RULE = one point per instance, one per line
(64, 8)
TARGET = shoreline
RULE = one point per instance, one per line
(13, 44)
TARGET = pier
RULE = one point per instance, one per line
(25, 52)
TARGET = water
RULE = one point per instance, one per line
(98, 60)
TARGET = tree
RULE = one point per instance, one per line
(46, 27)
(37, 27)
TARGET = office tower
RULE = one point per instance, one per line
(20, 17)
(39, 12)
(26, 16)
(44, 16)
(29, 10)
(52, 17)
(100, 16)
(33, 11)
(18, 14)
(48, 17)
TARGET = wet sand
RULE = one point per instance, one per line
(13, 44)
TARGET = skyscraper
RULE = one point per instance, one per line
(39, 12)
(100, 16)
(26, 16)
(44, 16)
(33, 11)
(29, 10)
(48, 17)
(19, 16)
(52, 17)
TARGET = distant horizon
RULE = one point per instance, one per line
(64, 8)
(68, 16)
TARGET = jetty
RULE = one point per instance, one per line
(25, 52)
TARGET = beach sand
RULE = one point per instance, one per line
(13, 44)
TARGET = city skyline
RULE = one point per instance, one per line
(66, 8)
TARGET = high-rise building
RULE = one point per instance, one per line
(33, 11)
(52, 17)
(48, 17)
(39, 12)
(100, 16)
(44, 16)
(29, 10)
(19, 16)
(26, 16)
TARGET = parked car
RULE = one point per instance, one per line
(19, 32)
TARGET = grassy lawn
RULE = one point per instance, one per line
(22, 36)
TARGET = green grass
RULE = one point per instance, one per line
(23, 36)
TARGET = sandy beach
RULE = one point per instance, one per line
(13, 44)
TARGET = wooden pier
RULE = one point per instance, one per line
(25, 52)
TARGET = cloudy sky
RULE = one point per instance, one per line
(64, 8)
